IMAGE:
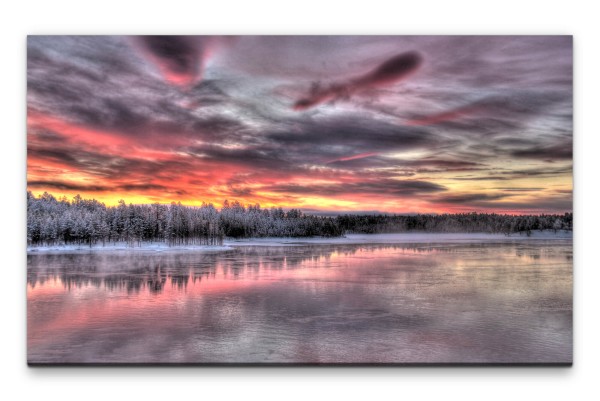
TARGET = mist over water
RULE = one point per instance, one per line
(470, 302)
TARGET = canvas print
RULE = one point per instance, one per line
(299, 200)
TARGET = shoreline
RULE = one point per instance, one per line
(401, 238)
(123, 247)
(349, 239)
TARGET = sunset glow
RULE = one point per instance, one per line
(324, 124)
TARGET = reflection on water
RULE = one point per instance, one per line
(501, 302)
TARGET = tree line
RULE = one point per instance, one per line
(52, 221)
(455, 223)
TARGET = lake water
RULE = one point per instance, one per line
(466, 302)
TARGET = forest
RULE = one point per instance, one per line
(52, 221)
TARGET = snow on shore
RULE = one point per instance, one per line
(349, 239)
(121, 246)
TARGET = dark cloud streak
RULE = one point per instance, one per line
(381, 187)
(63, 185)
(389, 72)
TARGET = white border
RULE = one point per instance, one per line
(293, 17)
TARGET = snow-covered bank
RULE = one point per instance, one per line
(229, 244)
(123, 247)
(402, 238)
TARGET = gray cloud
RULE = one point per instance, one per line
(469, 198)
(381, 187)
(62, 185)
(479, 100)
(557, 152)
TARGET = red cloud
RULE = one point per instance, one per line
(353, 157)
(449, 115)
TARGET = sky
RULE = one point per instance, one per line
(326, 124)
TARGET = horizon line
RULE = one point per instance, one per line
(306, 211)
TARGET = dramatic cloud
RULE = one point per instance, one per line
(427, 124)
(180, 59)
(390, 72)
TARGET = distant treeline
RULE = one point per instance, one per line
(455, 223)
(52, 221)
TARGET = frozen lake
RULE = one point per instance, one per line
(457, 300)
